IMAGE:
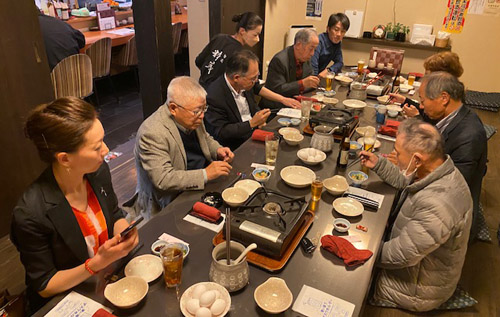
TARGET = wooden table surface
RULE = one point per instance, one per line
(321, 270)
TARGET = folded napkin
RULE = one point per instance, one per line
(390, 128)
(206, 212)
(103, 313)
(260, 135)
(345, 250)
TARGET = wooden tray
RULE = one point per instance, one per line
(272, 264)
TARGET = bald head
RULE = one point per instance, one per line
(421, 137)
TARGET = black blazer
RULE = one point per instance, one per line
(223, 119)
(46, 232)
(282, 78)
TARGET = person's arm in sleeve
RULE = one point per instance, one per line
(80, 38)
(202, 57)
(338, 60)
(466, 154)
(315, 61)
(389, 173)
(224, 130)
(270, 95)
(277, 82)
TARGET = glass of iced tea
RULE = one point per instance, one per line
(316, 189)
(172, 258)
(272, 145)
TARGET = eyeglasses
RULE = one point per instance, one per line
(254, 78)
(197, 112)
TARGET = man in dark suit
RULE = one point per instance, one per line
(232, 112)
(441, 96)
(290, 72)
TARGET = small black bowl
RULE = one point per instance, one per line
(213, 199)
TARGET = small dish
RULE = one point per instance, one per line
(329, 94)
(362, 130)
(316, 107)
(311, 156)
(293, 138)
(213, 199)
(344, 80)
(331, 101)
(286, 130)
(285, 122)
(383, 99)
(295, 121)
(354, 104)
(157, 245)
(319, 96)
(126, 292)
(261, 174)
(372, 75)
(273, 296)
(341, 225)
(147, 266)
(336, 185)
(377, 142)
(394, 108)
(404, 88)
(355, 146)
(297, 176)
(234, 196)
(249, 185)
(348, 207)
(357, 177)
(392, 113)
(209, 286)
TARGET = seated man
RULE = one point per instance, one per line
(290, 71)
(173, 151)
(423, 258)
(330, 46)
(233, 114)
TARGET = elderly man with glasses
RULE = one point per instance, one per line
(173, 150)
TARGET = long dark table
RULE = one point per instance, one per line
(321, 270)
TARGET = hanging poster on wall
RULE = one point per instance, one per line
(492, 7)
(455, 16)
(476, 7)
(314, 9)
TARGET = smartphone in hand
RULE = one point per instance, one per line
(124, 234)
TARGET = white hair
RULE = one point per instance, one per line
(184, 90)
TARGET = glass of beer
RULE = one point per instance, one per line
(411, 79)
(361, 66)
(369, 139)
(316, 189)
(172, 258)
(329, 80)
(272, 144)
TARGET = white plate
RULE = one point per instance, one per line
(127, 292)
(308, 156)
(377, 142)
(284, 131)
(348, 207)
(187, 295)
(147, 266)
(297, 176)
(362, 130)
(248, 184)
(354, 103)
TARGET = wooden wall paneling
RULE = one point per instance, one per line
(153, 31)
(25, 83)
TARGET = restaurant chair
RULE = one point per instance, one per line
(72, 77)
(126, 56)
(100, 55)
(386, 55)
(176, 37)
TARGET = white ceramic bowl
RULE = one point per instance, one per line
(354, 103)
(311, 156)
(127, 292)
(158, 244)
(330, 101)
(344, 80)
(297, 176)
(348, 207)
(286, 130)
(293, 138)
(404, 88)
(285, 122)
(248, 184)
(295, 121)
(394, 108)
(210, 286)
(341, 225)
(147, 266)
(376, 145)
(357, 177)
(336, 185)
(392, 113)
(273, 296)
(234, 196)
(260, 170)
(383, 99)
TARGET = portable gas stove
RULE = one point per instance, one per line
(333, 117)
(270, 219)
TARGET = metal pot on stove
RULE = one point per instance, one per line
(322, 138)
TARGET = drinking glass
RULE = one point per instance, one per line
(361, 66)
(172, 258)
(272, 144)
(316, 189)
(411, 79)
(369, 139)
(329, 80)
(306, 109)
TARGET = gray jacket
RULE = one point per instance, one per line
(161, 163)
(422, 262)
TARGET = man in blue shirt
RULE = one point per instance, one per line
(329, 48)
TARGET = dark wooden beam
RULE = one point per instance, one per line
(153, 31)
(214, 17)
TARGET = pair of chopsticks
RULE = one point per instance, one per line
(371, 81)
(390, 97)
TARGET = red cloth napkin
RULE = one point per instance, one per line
(206, 212)
(102, 313)
(345, 250)
(260, 135)
(300, 98)
(390, 128)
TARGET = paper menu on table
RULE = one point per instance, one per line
(312, 302)
(76, 305)
(289, 112)
(366, 194)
